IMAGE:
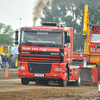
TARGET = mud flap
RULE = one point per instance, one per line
(85, 75)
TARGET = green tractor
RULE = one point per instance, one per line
(13, 57)
(12, 53)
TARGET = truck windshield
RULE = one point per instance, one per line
(41, 37)
(95, 38)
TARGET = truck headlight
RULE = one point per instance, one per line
(58, 69)
(21, 67)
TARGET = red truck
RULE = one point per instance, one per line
(45, 54)
(91, 72)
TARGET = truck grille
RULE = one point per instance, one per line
(39, 67)
(39, 56)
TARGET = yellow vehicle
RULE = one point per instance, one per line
(86, 29)
(90, 71)
(13, 57)
(3, 49)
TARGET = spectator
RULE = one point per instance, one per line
(5, 61)
(0, 60)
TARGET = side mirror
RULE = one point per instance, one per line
(16, 37)
(16, 42)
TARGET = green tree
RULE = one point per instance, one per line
(70, 13)
(55, 12)
(47, 16)
(94, 14)
(6, 34)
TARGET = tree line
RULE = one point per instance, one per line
(71, 13)
(6, 35)
(66, 12)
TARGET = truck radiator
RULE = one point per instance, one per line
(39, 67)
(39, 56)
(86, 74)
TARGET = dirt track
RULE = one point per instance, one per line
(11, 89)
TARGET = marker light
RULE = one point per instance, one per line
(21, 67)
(90, 24)
(95, 46)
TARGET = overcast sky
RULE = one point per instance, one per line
(12, 10)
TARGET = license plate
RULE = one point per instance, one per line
(39, 75)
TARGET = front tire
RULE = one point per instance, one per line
(63, 83)
(24, 81)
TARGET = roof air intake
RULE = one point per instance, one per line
(49, 24)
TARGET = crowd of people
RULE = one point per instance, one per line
(3, 60)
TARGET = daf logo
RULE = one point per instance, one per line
(54, 53)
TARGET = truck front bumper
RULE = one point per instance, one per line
(55, 76)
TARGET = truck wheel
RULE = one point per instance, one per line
(63, 83)
(14, 61)
(78, 82)
(24, 81)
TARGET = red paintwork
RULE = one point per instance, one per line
(94, 74)
(61, 74)
(68, 56)
(34, 48)
(95, 29)
(94, 55)
(73, 73)
(81, 56)
(30, 48)
(95, 52)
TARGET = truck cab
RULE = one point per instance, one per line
(45, 53)
(94, 44)
(95, 39)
